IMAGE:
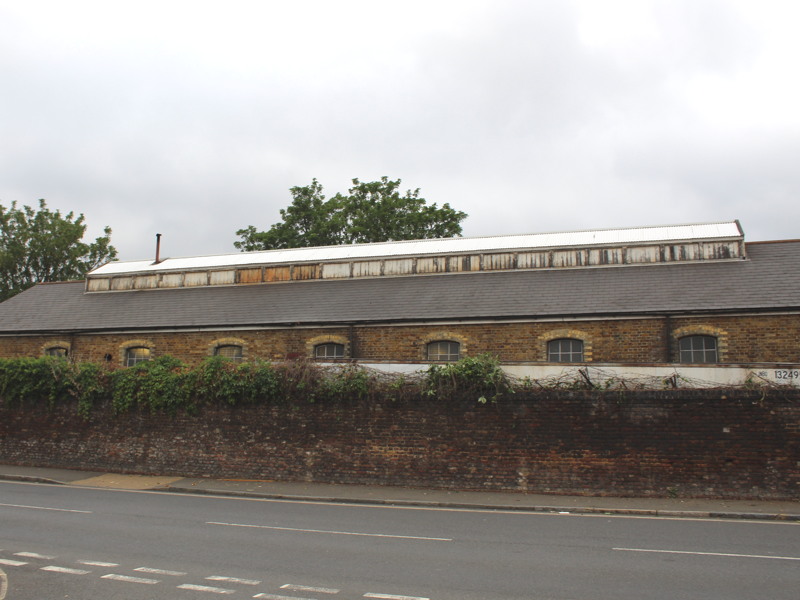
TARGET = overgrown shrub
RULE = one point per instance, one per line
(165, 384)
(220, 380)
(473, 377)
(89, 385)
(300, 380)
(33, 380)
(346, 382)
(158, 384)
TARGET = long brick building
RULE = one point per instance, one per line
(672, 297)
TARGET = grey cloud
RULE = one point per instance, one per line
(512, 119)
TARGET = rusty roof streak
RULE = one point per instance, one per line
(570, 239)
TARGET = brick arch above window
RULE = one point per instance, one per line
(444, 336)
(320, 340)
(51, 348)
(124, 347)
(703, 330)
(214, 346)
(565, 333)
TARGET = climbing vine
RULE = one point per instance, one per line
(167, 385)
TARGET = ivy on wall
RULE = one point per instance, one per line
(167, 385)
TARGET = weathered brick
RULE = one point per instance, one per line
(742, 339)
(736, 443)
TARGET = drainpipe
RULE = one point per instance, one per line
(668, 338)
(352, 336)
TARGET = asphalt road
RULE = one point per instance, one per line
(79, 543)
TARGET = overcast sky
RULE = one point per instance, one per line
(194, 118)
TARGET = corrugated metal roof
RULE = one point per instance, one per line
(589, 238)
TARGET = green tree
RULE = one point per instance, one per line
(371, 212)
(309, 221)
(44, 245)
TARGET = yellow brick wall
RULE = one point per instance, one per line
(742, 339)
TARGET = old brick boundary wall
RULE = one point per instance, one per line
(697, 443)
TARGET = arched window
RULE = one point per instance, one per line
(700, 349)
(135, 355)
(57, 351)
(565, 350)
(443, 350)
(230, 351)
(329, 351)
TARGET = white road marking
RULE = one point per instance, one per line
(391, 597)
(129, 579)
(234, 580)
(276, 597)
(86, 512)
(159, 571)
(205, 588)
(33, 555)
(378, 535)
(55, 569)
(388, 505)
(97, 563)
(727, 554)
(12, 563)
(305, 588)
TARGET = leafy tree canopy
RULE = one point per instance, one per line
(43, 245)
(370, 212)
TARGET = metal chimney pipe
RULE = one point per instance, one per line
(158, 249)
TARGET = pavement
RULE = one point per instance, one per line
(784, 510)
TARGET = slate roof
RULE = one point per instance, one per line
(768, 280)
